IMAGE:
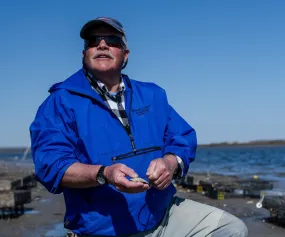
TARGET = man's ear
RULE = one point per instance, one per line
(83, 56)
(126, 55)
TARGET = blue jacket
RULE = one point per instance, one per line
(74, 125)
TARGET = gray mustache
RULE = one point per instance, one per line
(108, 54)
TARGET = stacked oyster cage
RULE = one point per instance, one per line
(15, 192)
(222, 187)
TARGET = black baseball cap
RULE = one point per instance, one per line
(85, 31)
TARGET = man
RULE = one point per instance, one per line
(113, 146)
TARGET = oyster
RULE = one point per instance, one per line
(137, 179)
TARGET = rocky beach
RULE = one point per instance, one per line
(43, 216)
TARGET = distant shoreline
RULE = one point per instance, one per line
(247, 144)
(256, 143)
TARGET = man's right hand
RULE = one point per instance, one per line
(116, 175)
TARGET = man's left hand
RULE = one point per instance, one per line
(161, 171)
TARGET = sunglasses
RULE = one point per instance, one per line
(136, 153)
(110, 40)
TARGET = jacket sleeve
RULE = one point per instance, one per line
(53, 140)
(180, 139)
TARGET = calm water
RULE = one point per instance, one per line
(266, 162)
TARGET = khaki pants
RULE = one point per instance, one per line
(186, 218)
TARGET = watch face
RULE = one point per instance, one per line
(101, 180)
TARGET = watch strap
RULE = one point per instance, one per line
(101, 173)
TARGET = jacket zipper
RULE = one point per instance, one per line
(137, 152)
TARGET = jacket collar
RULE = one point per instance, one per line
(79, 84)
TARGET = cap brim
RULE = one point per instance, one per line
(86, 29)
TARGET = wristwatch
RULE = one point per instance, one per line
(101, 179)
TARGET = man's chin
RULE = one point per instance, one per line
(104, 68)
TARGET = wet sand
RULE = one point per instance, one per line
(44, 215)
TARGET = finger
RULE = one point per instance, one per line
(158, 171)
(151, 168)
(142, 189)
(133, 189)
(160, 179)
(128, 171)
(139, 190)
(146, 186)
(124, 182)
(164, 184)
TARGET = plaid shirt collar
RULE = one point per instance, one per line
(115, 102)
(103, 86)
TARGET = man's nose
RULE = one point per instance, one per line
(102, 44)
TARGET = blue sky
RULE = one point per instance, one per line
(221, 62)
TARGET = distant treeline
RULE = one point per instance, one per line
(13, 150)
(250, 143)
